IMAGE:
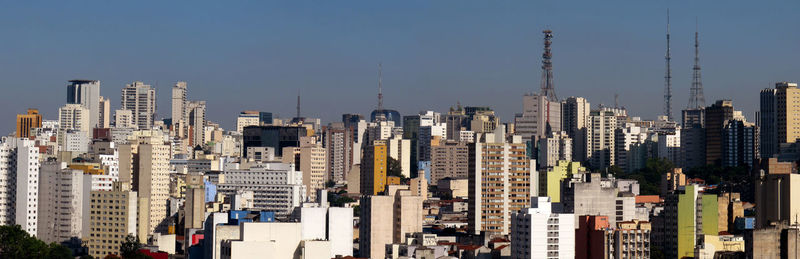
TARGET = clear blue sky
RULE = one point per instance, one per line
(258, 54)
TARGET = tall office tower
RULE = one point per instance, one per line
(602, 124)
(19, 190)
(107, 233)
(276, 187)
(179, 108)
(400, 150)
(123, 119)
(540, 232)
(195, 206)
(411, 130)
(690, 215)
(501, 181)
(141, 100)
(339, 148)
(787, 113)
(630, 152)
(716, 115)
(86, 93)
(276, 137)
(74, 117)
(739, 143)
(386, 219)
(104, 117)
(780, 189)
(63, 203)
(539, 116)
(311, 159)
(449, 160)
(669, 146)
(556, 146)
(144, 162)
(247, 118)
(196, 116)
(26, 122)
(693, 137)
(429, 136)
(456, 120)
(768, 130)
(374, 168)
(575, 121)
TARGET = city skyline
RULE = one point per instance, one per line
(476, 54)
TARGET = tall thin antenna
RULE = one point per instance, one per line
(547, 68)
(298, 104)
(696, 99)
(380, 87)
(668, 79)
(616, 100)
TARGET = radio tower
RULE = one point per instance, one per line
(547, 68)
(696, 99)
(668, 80)
(380, 87)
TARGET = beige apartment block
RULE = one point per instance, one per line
(144, 162)
(313, 162)
(112, 217)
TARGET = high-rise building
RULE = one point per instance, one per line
(63, 203)
(87, 94)
(276, 187)
(374, 168)
(73, 117)
(124, 119)
(591, 194)
(429, 136)
(247, 118)
(386, 219)
(339, 147)
(539, 116)
(575, 121)
(400, 150)
(768, 128)
(739, 143)
(501, 181)
(141, 100)
(144, 162)
(782, 191)
(104, 117)
(112, 217)
(602, 126)
(195, 206)
(26, 122)
(196, 116)
(540, 232)
(312, 161)
(689, 214)
(276, 137)
(630, 152)
(449, 159)
(787, 95)
(179, 108)
(716, 116)
(669, 145)
(19, 188)
(553, 148)
(693, 138)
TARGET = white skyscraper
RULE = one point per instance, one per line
(63, 203)
(141, 100)
(86, 93)
(178, 102)
(575, 121)
(73, 117)
(538, 232)
(602, 125)
(539, 116)
(196, 113)
(19, 188)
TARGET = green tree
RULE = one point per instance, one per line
(394, 168)
(16, 243)
(129, 249)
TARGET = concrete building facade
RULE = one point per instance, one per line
(140, 99)
(540, 232)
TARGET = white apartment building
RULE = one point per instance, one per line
(400, 150)
(630, 152)
(63, 203)
(247, 119)
(539, 232)
(19, 183)
(124, 119)
(277, 187)
(539, 116)
(556, 146)
(429, 136)
(602, 125)
(73, 117)
(140, 99)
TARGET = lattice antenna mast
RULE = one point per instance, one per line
(547, 68)
(696, 98)
(380, 87)
(668, 79)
